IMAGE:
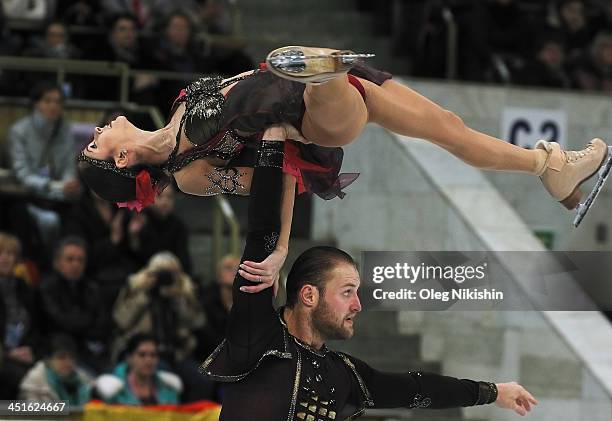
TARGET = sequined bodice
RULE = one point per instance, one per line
(202, 123)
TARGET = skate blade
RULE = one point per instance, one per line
(602, 175)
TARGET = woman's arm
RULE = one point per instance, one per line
(201, 178)
(267, 273)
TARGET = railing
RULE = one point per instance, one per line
(223, 211)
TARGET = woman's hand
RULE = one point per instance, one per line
(514, 396)
(266, 273)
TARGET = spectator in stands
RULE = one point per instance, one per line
(71, 303)
(105, 226)
(594, 70)
(138, 380)
(55, 44)
(177, 49)
(217, 301)
(18, 330)
(82, 13)
(57, 377)
(493, 37)
(228, 55)
(41, 151)
(577, 29)
(34, 11)
(123, 45)
(548, 67)
(160, 300)
(157, 229)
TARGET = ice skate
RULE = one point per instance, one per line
(602, 175)
(311, 64)
(564, 171)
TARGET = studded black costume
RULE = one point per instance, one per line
(273, 376)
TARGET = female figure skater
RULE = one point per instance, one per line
(321, 99)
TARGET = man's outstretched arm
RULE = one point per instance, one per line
(427, 390)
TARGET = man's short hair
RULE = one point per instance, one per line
(71, 240)
(312, 268)
(42, 88)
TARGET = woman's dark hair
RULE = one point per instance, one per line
(312, 268)
(61, 343)
(134, 342)
(42, 88)
(115, 184)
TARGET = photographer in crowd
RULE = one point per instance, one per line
(160, 300)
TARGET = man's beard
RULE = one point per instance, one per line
(323, 321)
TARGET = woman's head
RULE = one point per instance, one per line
(47, 99)
(62, 355)
(111, 166)
(142, 355)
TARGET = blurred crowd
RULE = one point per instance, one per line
(549, 43)
(175, 36)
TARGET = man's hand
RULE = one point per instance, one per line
(23, 354)
(514, 396)
(266, 273)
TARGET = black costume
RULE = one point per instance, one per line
(230, 128)
(274, 376)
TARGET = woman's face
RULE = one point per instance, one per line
(108, 139)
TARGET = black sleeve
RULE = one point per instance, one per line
(421, 390)
(253, 321)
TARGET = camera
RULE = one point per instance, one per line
(163, 278)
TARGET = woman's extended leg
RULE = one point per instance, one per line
(336, 114)
(406, 112)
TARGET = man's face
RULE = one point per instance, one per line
(50, 105)
(71, 262)
(56, 35)
(124, 33)
(143, 361)
(339, 304)
(63, 364)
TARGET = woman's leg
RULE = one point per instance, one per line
(406, 112)
(335, 113)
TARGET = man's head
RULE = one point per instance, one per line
(178, 29)
(56, 34)
(124, 31)
(70, 258)
(10, 249)
(142, 355)
(47, 98)
(323, 282)
(226, 270)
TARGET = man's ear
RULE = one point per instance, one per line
(123, 158)
(309, 295)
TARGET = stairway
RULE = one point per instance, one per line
(269, 24)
